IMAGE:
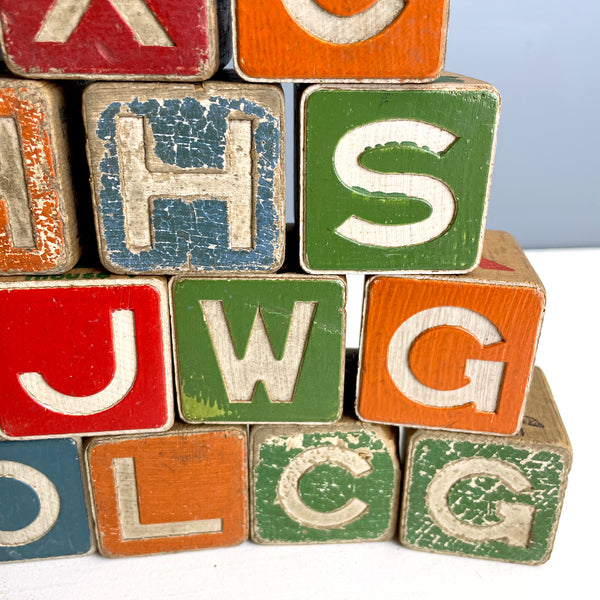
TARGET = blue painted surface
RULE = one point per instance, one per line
(57, 459)
(191, 235)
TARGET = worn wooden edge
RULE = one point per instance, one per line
(541, 400)
(88, 509)
(212, 63)
(177, 430)
(465, 84)
(540, 293)
(270, 97)
(52, 98)
(399, 80)
(250, 277)
(262, 432)
(160, 285)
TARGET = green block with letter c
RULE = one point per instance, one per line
(323, 484)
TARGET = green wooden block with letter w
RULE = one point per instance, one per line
(257, 349)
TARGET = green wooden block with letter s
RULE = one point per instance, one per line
(396, 178)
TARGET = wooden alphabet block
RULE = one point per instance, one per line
(114, 39)
(84, 353)
(396, 178)
(187, 178)
(182, 490)
(485, 496)
(38, 229)
(452, 352)
(259, 349)
(319, 484)
(308, 40)
(44, 508)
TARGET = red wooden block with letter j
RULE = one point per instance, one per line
(82, 354)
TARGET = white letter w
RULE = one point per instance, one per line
(259, 363)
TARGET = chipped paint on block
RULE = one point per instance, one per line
(323, 485)
(211, 177)
(477, 498)
(38, 230)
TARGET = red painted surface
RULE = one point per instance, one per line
(103, 44)
(491, 265)
(66, 335)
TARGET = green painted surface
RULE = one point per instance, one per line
(203, 392)
(464, 167)
(325, 488)
(473, 500)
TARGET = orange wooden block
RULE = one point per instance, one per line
(318, 40)
(182, 490)
(452, 352)
(38, 230)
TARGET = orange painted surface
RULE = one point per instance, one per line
(271, 45)
(180, 477)
(42, 186)
(438, 357)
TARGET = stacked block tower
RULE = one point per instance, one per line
(128, 389)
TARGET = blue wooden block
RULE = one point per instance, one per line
(44, 512)
(187, 178)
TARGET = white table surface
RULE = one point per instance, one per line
(569, 354)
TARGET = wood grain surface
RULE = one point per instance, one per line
(306, 40)
(182, 490)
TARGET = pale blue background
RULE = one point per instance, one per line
(543, 58)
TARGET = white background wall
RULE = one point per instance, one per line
(542, 55)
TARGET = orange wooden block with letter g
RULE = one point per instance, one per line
(181, 490)
(318, 40)
(452, 352)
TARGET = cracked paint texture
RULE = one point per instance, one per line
(473, 500)
(192, 235)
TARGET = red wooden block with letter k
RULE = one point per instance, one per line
(104, 39)
(83, 354)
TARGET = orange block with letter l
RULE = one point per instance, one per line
(181, 490)
(452, 352)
